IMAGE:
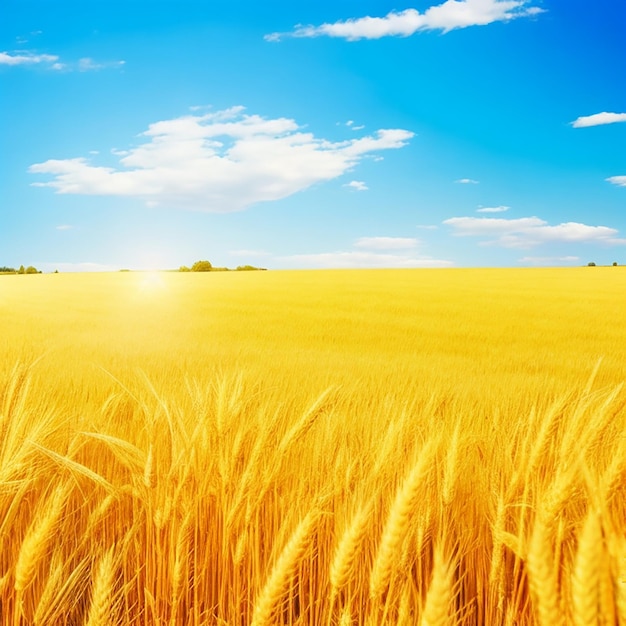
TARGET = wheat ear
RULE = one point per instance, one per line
(36, 541)
(440, 593)
(397, 524)
(542, 575)
(282, 573)
(586, 575)
(100, 609)
(346, 552)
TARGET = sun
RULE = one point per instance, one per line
(151, 282)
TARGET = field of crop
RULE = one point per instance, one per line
(324, 448)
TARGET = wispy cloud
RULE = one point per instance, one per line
(26, 58)
(493, 209)
(620, 181)
(358, 259)
(549, 260)
(528, 232)
(466, 181)
(386, 243)
(445, 17)
(87, 64)
(357, 185)
(218, 162)
(64, 227)
(599, 119)
(52, 62)
(48, 266)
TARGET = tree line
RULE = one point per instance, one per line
(206, 266)
(21, 270)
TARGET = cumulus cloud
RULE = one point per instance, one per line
(493, 209)
(466, 181)
(527, 232)
(359, 259)
(599, 119)
(357, 185)
(620, 181)
(386, 243)
(26, 58)
(445, 17)
(218, 162)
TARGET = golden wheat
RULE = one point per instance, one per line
(476, 415)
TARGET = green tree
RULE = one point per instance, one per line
(31, 270)
(201, 266)
(591, 264)
(21, 270)
(184, 268)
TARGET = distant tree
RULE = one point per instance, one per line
(614, 263)
(7, 270)
(31, 270)
(248, 268)
(184, 268)
(591, 264)
(201, 266)
(56, 271)
(21, 270)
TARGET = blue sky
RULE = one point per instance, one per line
(351, 133)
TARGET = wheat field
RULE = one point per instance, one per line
(314, 448)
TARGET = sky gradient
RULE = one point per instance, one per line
(148, 135)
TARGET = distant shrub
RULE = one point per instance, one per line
(614, 263)
(184, 268)
(591, 264)
(31, 270)
(248, 268)
(7, 270)
(201, 266)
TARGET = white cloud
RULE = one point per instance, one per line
(493, 209)
(219, 162)
(357, 185)
(527, 232)
(386, 243)
(599, 119)
(51, 61)
(620, 181)
(76, 267)
(448, 16)
(87, 64)
(64, 227)
(361, 127)
(357, 259)
(427, 226)
(26, 58)
(548, 260)
(466, 181)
